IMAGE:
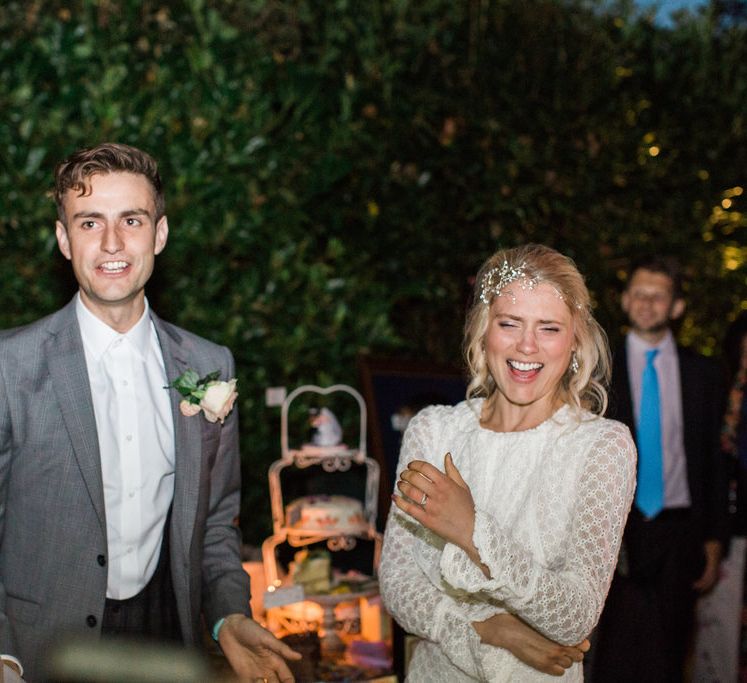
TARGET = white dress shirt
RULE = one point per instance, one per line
(136, 442)
(667, 364)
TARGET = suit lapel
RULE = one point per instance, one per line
(691, 402)
(187, 437)
(67, 368)
(621, 397)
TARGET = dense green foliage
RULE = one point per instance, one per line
(336, 171)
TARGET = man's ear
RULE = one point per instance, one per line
(63, 241)
(678, 308)
(162, 234)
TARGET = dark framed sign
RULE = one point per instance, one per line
(394, 391)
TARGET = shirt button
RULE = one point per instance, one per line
(91, 620)
(132, 494)
(129, 437)
(101, 559)
(124, 382)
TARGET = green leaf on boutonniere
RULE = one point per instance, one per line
(186, 383)
(211, 377)
(191, 386)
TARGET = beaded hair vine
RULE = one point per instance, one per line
(498, 278)
(495, 281)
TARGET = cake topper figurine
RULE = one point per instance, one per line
(326, 430)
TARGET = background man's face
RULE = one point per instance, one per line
(112, 238)
(649, 302)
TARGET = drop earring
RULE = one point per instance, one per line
(574, 364)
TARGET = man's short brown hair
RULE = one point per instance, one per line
(109, 157)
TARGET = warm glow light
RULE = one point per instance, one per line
(305, 611)
(726, 203)
(703, 174)
(733, 257)
(654, 151)
(648, 138)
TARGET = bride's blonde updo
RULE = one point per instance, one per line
(584, 383)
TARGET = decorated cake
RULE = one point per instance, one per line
(326, 514)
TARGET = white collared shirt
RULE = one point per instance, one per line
(136, 442)
(667, 364)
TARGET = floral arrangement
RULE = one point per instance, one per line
(214, 397)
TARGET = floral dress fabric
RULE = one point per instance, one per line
(551, 504)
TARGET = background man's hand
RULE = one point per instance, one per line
(253, 652)
(710, 574)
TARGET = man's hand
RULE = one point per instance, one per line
(523, 642)
(253, 652)
(708, 579)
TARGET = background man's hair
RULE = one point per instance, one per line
(74, 173)
(665, 265)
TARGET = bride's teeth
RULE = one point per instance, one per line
(524, 367)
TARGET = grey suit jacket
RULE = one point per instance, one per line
(53, 546)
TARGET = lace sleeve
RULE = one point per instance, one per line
(410, 595)
(562, 602)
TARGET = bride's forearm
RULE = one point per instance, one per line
(509, 632)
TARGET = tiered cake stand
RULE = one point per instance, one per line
(331, 459)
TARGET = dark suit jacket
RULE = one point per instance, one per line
(53, 543)
(702, 411)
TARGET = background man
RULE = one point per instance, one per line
(116, 510)
(671, 398)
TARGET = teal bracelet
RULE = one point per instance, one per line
(216, 628)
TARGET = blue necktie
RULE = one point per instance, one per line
(649, 495)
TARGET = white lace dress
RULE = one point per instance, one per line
(551, 504)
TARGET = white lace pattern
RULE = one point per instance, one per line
(551, 504)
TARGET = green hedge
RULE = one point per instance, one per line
(336, 171)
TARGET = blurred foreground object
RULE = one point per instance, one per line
(124, 661)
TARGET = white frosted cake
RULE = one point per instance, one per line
(326, 513)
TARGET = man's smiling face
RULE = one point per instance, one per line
(112, 237)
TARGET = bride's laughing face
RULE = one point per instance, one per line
(528, 345)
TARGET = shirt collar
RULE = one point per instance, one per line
(639, 345)
(98, 336)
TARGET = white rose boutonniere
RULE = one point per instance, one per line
(213, 396)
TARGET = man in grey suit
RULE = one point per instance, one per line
(116, 510)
